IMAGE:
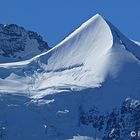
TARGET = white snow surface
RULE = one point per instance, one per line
(96, 65)
(83, 60)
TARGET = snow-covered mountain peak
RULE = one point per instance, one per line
(87, 85)
(17, 43)
(89, 26)
(87, 57)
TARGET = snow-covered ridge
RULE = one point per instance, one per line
(84, 59)
(18, 44)
(128, 44)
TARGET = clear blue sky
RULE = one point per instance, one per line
(54, 19)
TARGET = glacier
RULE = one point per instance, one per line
(88, 86)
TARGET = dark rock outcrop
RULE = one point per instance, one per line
(19, 44)
(115, 125)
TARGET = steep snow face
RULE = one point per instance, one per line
(91, 55)
(86, 59)
(18, 44)
(81, 56)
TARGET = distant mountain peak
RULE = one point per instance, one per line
(17, 43)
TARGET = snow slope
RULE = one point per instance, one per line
(94, 67)
(84, 59)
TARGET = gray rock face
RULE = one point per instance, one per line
(17, 44)
(115, 125)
